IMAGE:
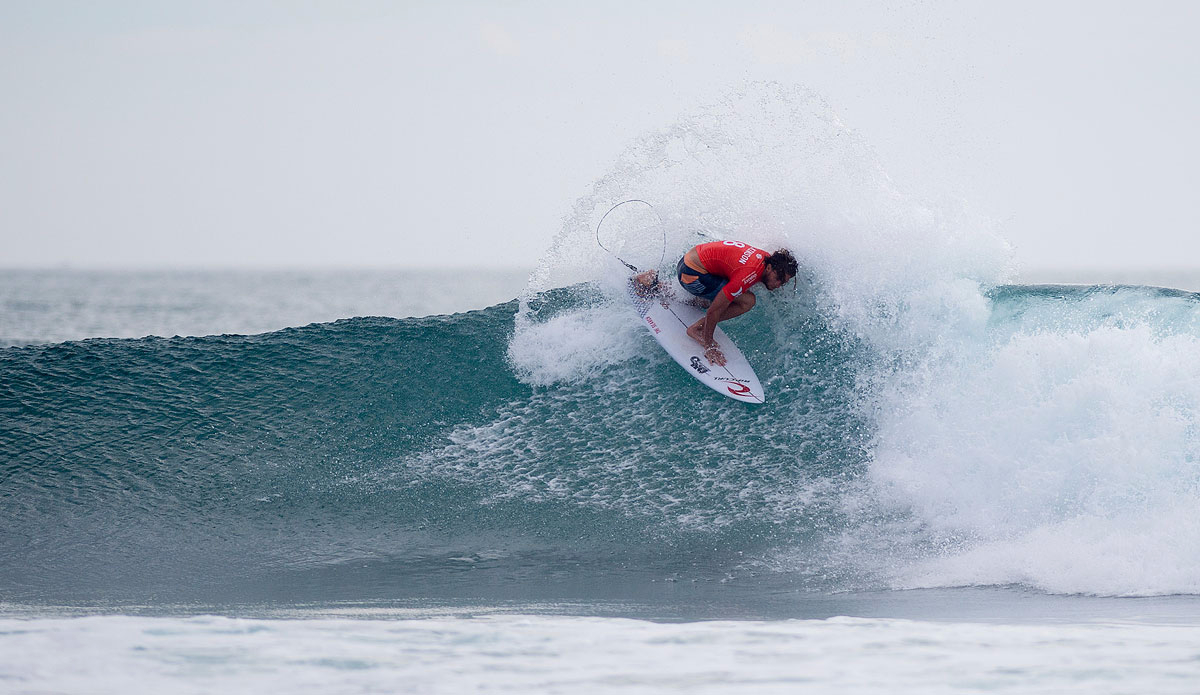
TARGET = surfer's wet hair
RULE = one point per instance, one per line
(783, 262)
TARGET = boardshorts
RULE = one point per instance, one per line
(706, 286)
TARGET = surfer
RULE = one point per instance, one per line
(722, 273)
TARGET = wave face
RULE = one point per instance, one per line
(927, 424)
(370, 456)
(1055, 445)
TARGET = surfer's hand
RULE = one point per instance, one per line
(714, 356)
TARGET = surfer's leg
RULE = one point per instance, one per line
(745, 302)
(737, 307)
(691, 281)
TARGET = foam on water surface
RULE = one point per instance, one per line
(545, 654)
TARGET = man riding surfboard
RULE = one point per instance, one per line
(722, 272)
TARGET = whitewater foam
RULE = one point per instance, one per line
(1065, 460)
(551, 654)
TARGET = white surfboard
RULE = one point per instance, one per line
(667, 319)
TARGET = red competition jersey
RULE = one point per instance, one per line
(741, 263)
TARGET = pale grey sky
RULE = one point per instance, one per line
(343, 133)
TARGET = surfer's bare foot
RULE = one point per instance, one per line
(715, 356)
(645, 283)
(696, 332)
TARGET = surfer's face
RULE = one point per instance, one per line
(772, 279)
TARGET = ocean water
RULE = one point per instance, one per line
(57, 305)
(360, 482)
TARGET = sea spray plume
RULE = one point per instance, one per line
(736, 162)
(775, 167)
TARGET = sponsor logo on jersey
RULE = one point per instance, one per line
(746, 256)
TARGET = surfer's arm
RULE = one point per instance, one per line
(716, 312)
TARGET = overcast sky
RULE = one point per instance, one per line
(345, 133)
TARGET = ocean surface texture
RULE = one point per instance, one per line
(240, 482)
